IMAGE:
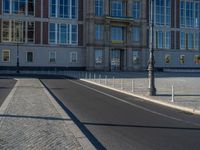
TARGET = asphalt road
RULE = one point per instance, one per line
(6, 85)
(112, 120)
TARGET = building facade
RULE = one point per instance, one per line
(109, 35)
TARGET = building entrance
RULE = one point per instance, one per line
(116, 60)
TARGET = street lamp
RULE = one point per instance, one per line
(151, 89)
(18, 38)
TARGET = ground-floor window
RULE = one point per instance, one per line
(197, 59)
(182, 59)
(29, 56)
(52, 57)
(98, 56)
(167, 59)
(6, 55)
(73, 57)
(136, 57)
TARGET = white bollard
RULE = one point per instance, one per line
(132, 86)
(89, 75)
(99, 79)
(121, 84)
(172, 100)
(113, 82)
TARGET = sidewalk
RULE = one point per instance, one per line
(186, 87)
(30, 119)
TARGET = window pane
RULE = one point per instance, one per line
(98, 7)
(30, 37)
(136, 34)
(29, 56)
(6, 6)
(6, 55)
(117, 33)
(74, 34)
(99, 32)
(117, 8)
(52, 33)
(31, 7)
(52, 57)
(136, 10)
(98, 56)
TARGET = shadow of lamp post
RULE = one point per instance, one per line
(151, 89)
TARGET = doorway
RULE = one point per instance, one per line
(116, 60)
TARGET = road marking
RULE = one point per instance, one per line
(137, 106)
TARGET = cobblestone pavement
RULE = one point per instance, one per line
(30, 120)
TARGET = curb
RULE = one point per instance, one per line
(181, 108)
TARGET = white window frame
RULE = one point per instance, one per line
(71, 57)
(5, 50)
(50, 56)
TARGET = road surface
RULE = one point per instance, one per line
(113, 120)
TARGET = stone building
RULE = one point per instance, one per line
(109, 35)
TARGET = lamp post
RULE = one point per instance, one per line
(18, 38)
(151, 89)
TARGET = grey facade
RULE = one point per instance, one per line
(106, 35)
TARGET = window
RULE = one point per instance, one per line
(74, 34)
(163, 12)
(52, 33)
(98, 56)
(136, 57)
(18, 31)
(73, 57)
(63, 34)
(136, 10)
(63, 8)
(6, 35)
(190, 40)
(98, 7)
(117, 8)
(189, 13)
(30, 32)
(19, 6)
(74, 9)
(31, 7)
(197, 59)
(182, 40)
(167, 59)
(136, 34)
(99, 32)
(53, 8)
(29, 56)
(160, 39)
(52, 57)
(117, 34)
(196, 41)
(167, 40)
(163, 39)
(6, 55)
(6, 6)
(182, 59)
